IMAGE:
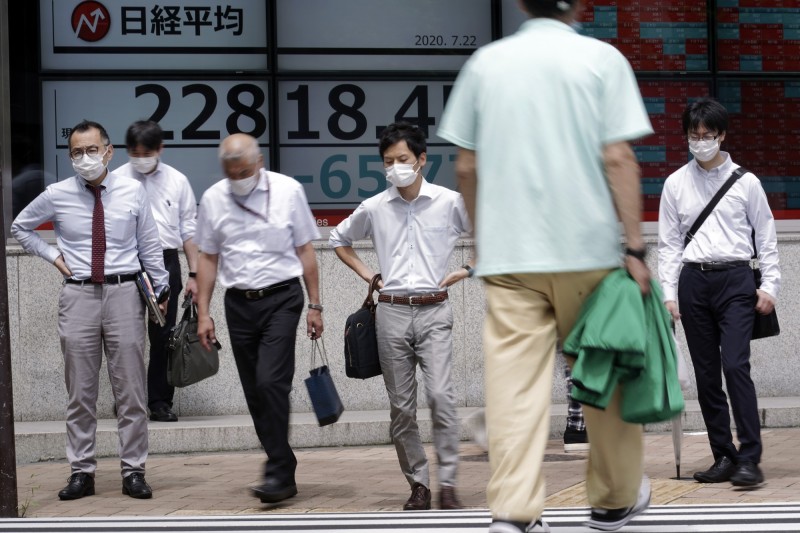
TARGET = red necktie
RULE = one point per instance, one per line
(98, 237)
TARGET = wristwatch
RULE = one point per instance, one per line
(192, 274)
(638, 254)
(469, 269)
(318, 307)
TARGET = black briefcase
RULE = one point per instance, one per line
(187, 361)
(361, 359)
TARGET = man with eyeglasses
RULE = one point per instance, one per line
(174, 209)
(103, 228)
(709, 286)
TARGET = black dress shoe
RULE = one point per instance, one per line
(721, 471)
(163, 414)
(273, 492)
(420, 499)
(78, 486)
(747, 474)
(135, 486)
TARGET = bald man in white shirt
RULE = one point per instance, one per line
(709, 286)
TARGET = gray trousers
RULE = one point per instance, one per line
(92, 318)
(408, 335)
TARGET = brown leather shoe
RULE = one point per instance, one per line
(420, 499)
(448, 498)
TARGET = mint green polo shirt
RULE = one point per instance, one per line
(538, 107)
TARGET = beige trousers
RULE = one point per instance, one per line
(527, 312)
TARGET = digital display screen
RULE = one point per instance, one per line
(655, 35)
(380, 35)
(195, 116)
(758, 36)
(763, 135)
(329, 135)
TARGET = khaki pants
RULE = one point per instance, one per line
(527, 312)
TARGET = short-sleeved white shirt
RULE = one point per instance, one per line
(255, 250)
(538, 107)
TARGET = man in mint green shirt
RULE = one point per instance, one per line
(543, 120)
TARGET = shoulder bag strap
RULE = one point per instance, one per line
(738, 173)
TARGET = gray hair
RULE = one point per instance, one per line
(241, 148)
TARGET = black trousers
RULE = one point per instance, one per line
(262, 334)
(159, 392)
(717, 314)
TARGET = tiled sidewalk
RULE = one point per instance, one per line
(369, 479)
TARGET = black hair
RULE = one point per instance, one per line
(145, 133)
(705, 111)
(403, 131)
(548, 8)
(86, 125)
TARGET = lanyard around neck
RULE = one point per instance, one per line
(264, 217)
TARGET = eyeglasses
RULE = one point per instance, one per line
(707, 137)
(91, 151)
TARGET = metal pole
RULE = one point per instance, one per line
(8, 461)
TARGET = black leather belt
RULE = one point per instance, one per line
(170, 252)
(425, 299)
(717, 265)
(114, 279)
(257, 294)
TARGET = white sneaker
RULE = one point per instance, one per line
(613, 519)
(501, 526)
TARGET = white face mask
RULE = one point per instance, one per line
(401, 174)
(704, 150)
(144, 165)
(244, 186)
(90, 167)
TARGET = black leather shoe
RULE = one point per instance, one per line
(721, 471)
(747, 474)
(420, 499)
(163, 414)
(78, 486)
(135, 486)
(273, 492)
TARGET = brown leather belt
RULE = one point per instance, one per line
(425, 299)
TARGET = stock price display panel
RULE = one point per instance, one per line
(380, 35)
(758, 36)
(667, 149)
(655, 35)
(763, 133)
(195, 117)
(329, 134)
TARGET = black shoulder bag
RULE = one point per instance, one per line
(361, 359)
(763, 325)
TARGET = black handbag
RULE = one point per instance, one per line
(763, 325)
(321, 389)
(187, 361)
(361, 359)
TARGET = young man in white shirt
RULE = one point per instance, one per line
(414, 226)
(174, 210)
(709, 286)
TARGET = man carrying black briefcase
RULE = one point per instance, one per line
(414, 226)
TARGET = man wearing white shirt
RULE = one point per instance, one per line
(174, 210)
(103, 228)
(714, 292)
(414, 226)
(254, 232)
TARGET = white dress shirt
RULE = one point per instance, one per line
(131, 232)
(172, 202)
(414, 240)
(253, 252)
(726, 233)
